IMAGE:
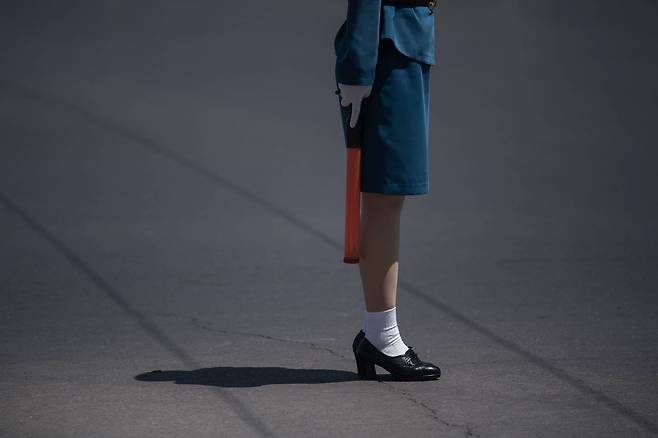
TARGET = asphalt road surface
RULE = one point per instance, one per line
(171, 200)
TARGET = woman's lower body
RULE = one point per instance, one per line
(395, 117)
(394, 163)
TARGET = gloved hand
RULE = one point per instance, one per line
(353, 95)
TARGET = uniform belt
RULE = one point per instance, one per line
(431, 4)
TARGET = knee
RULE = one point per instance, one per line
(382, 203)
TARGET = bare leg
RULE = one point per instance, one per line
(379, 248)
(378, 264)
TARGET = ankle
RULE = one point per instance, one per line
(382, 332)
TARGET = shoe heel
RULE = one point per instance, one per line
(365, 369)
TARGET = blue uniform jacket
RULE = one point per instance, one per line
(368, 22)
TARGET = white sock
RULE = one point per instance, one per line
(382, 332)
(364, 324)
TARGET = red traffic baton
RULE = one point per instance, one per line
(353, 193)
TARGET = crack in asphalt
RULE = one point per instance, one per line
(468, 428)
(208, 326)
(205, 325)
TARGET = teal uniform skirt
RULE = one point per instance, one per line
(395, 117)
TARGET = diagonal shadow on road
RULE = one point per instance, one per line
(427, 298)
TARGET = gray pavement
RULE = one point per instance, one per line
(171, 198)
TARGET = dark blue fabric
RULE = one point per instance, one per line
(395, 117)
(356, 43)
(411, 29)
(368, 22)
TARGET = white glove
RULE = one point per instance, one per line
(353, 95)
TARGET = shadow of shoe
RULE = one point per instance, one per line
(238, 377)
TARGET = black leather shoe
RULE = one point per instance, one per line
(357, 339)
(406, 366)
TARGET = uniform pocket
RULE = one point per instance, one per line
(414, 33)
